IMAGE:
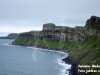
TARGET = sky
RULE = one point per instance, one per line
(18, 16)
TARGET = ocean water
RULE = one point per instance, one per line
(18, 60)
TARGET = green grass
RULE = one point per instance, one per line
(89, 51)
(57, 44)
(23, 41)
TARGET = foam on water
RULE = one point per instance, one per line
(11, 45)
(66, 54)
(65, 67)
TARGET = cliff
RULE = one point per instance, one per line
(82, 43)
(53, 37)
(10, 36)
(89, 52)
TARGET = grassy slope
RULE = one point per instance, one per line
(56, 44)
(89, 52)
(48, 43)
(23, 41)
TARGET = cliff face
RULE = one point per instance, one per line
(63, 33)
(27, 38)
(53, 32)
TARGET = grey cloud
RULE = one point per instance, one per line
(41, 11)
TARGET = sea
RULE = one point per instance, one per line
(22, 60)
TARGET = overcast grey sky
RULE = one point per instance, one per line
(26, 15)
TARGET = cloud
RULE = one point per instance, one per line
(34, 13)
(16, 29)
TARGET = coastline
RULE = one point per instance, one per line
(62, 61)
(65, 60)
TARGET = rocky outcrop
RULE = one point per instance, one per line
(93, 25)
(48, 27)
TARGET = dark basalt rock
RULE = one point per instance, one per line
(93, 23)
(74, 66)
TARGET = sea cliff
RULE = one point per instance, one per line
(10, 36)
(82, 43)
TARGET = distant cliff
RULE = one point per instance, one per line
(83, 43)
(53, 37)
(10, 36)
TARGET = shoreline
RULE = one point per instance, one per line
(74, 66)
(62, 60)
(66, 60)
(54, 50)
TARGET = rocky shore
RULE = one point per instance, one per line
(74, 66)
